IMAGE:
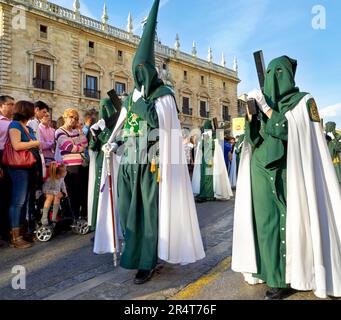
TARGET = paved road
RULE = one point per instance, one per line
(66, 268)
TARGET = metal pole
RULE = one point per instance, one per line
(112, 208)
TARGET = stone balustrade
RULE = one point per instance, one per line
(90, 23)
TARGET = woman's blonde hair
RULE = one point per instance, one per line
(70, 111)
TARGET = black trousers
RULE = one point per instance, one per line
(73, 187)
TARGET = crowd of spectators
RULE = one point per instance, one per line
(59, 147)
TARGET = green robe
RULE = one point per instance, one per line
(268, 138)
(334, 147)
(206, 170)
(268, 182)
(138, 188)
(238, 148)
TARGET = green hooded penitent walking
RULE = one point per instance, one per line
(268, 138)
(99, 138)
(206, 169)
(137, 183)
(334, 146)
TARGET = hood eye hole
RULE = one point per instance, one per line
(279, 70)
(268, 72)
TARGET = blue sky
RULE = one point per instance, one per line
(238, 28)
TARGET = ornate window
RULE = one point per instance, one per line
(91, 79)
(226, 113)
(186, 108)
(120, 81)
(120, 88)
(204, 109)
(42, 69)
(43, 32)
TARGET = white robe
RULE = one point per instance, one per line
(313, 225)
(179, 237)
(221, 183)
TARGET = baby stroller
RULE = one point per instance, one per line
(65, 221)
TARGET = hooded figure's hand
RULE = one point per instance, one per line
(259, 97)
(98, 125)
(138, 94)
(108, 148)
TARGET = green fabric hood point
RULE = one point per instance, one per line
(143, 68)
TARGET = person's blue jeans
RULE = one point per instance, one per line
(20, 196)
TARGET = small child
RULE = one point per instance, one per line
(53, 188)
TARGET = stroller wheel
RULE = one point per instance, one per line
(44, 233)
(80, 227)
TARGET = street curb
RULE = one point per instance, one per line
(189, 291)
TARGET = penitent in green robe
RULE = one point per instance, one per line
(137, 186)
(206, 170)
(268, 138)
(334, 147)
(109, 114)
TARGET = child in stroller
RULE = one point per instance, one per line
(53, 188)
(56, 197)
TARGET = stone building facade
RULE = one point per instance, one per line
(59, 56)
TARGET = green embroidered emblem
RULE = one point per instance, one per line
(132, 124)
(313, 111)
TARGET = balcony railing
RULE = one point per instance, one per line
(187, 111)
(105, 29)
(43, 84)
(91, 93)
(227, 117)
(204, 114)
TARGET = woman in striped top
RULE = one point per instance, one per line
(70, 147)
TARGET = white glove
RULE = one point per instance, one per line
(101, 124)
(259, 97)
(108, 148)
(138, 94)
(98, 125)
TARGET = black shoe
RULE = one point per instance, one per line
(278, 293)
(143, 276)
(92, 239)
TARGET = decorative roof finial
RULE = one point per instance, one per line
(130, 27)
(194, 50)
(76, 6)
(235, 65)
(209, 56)
(177, 42)
(223, 61)
(105, 16)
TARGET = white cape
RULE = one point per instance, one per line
(313, 226)
(104, 236)
(179, 238)
(221, 183)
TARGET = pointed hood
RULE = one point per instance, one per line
(208, 125)
(144, 71)
(280, 90)
(106, 109)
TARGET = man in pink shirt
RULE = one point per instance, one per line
(47, 139)
(6, 114)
